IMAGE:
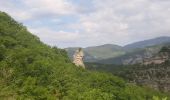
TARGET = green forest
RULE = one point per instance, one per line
(32, 70)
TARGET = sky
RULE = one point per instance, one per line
(82, 23)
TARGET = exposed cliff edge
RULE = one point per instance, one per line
(160, 58)
(154, 72)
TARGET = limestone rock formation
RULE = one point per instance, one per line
(78, 58)
(157, 59)
(154, 72)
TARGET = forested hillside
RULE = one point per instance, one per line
(31, 70)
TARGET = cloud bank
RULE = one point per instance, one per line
(69, 23)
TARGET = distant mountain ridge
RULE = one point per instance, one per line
(134, 56)
(95, 53)
(146, 43)
(128, 54)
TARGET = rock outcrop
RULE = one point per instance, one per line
(161, 57)
(147, 58)
(154, 72)
(78, 58)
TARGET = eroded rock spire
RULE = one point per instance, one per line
(78, 58)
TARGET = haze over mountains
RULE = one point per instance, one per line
(150, 42)
(114, 54)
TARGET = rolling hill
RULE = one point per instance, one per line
(129, 54)
(135, 56)
(95, 53)
(147, 43)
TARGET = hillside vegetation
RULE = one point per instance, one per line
(31, 70)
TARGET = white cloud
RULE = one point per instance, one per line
(124, 21)
(108, 21)
(14, 11)
(57, 7)
(30, 9)
(47, 35)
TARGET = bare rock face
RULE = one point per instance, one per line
(158, 59)
(154, 72)
(78, 58)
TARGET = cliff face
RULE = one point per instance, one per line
(154, 73)
(135, 56)
(146, 56)
(161, 58)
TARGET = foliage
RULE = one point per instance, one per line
(157, 98)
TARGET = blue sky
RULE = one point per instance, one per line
(82, 23)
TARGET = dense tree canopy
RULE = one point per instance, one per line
(32, 70)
